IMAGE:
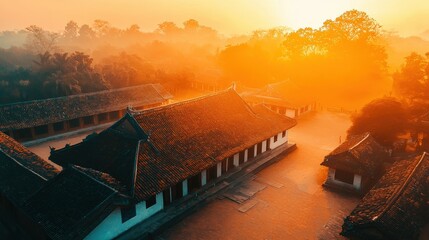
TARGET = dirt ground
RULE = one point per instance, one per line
(296, 206)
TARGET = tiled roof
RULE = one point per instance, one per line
(110, 151)
(395, 207)
(103, 178)
(285, 93)
(16, 115)
(22, 172)
(359, 154)
(182, 139)
(71, 204)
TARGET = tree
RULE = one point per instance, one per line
(41, 41)
(351, 26)
(411, 82)
(101, 27)
(191, 25)
(384, 118)
(126, 70)
(71, 30)
(86, 32)
(168, 28)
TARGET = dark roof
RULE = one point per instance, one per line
(395, 206)
(359, 154)
(71, 204)
(110, 151)
(16, 115)
(22, 172)
(285, 93)
(180, 140)
(102, 178)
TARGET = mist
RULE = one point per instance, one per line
(345, 63)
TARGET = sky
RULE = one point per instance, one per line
(230, 17)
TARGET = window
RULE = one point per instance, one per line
(166, 195)
(251, 152)
(194, 183)
(283, 133)
(59, 126)
(224, 165)
(41, 130)
(231, 163)
(114, 115)
(88, 120)
(74, 123)
(259, 148)
(344, 176)
(102, 117)
(150, 201)
(241, 157)
(212, 173)
(268, 144)
(23, 134)
(128, 212)
(275, 138)
(177, 191)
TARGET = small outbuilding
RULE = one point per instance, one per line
(285, 98)
(397, 207)
(356, 164)
(54, 116)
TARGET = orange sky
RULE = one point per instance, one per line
(228, 17)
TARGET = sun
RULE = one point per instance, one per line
(311, 13)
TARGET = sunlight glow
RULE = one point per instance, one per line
(230, 17)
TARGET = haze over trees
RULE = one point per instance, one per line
(344, 60)
(411, 82)
(385, 118)
(342, 63)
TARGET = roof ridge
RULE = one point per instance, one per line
(394, 197)
(135, 170)
(155, 109)
(22, 165)
(76, 167)
(79, 95)
(361, 141)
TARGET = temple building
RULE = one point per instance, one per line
(65, 114)
(40, 200)
(161, 155)
(22, 174)
(356, 164)
(397, 207)
(285, 98)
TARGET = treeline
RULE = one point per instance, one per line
(342, 63)
(62, 74)
(390, 117)
(48, 65)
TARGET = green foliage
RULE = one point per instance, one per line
(40, 41)
(411, 82)
(384, 118)
(53, 75)
(344, 60)
(126, 70)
